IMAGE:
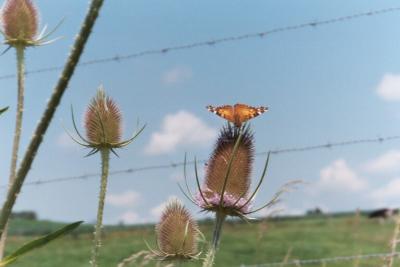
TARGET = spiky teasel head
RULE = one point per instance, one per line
(103, 125)
(226, 190)
(227, 179)
(103, 120)
(177, 234)
(20, 24)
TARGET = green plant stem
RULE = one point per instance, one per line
(18, 128)
(219, 221)
(105, 161)
(48, 114)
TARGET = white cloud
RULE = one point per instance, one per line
(177, 75)
(130, 217)
(389, 87)
(157, 211)
(181, 128)
(390, 161)
(387, 193)
(338, 176)
(126, 199)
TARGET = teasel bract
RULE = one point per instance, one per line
(177, 234)
(103, 125)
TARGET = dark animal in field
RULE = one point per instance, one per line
(385, 213)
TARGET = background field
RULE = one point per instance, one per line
(261, 242)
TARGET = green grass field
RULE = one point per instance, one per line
(262, 242)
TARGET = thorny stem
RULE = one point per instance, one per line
(105, 161)
(53, 103)
(219, 221)
(20, 49)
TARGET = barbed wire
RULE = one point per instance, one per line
(179, 164)
(324, 260)
(213, 42)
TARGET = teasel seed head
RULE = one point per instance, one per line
(20, 24)
(177, 234)
(103, 125)
(228, 172)
(239, 179)
(103, 120)
(20, 20)
(226, 188)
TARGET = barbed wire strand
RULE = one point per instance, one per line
(325, 260)
(213, 42)
(179, 164)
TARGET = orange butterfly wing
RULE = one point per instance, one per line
(244, 113)
(226, 112)
(238, 113)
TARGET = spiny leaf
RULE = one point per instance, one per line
(37, 243)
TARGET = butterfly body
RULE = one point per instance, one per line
(237, 114)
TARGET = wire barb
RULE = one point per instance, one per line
(211, 43)
(378, 140)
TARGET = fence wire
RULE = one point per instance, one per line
(328, 145)
(214, 42)
(322, 261)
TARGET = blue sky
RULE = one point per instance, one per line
(324, 84)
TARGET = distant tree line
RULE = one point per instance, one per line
(26, 215)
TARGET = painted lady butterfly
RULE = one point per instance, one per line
(237, 114)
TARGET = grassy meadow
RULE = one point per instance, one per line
(260, 242)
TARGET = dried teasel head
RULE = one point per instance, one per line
(177, 234)
(227, 179)
(20, 20)
(226, 189)
(20, 24)
(103, 120)
(103, 125)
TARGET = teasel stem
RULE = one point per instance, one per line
(51, 108)
(219, 221)
(105, 161)
(20, 50)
